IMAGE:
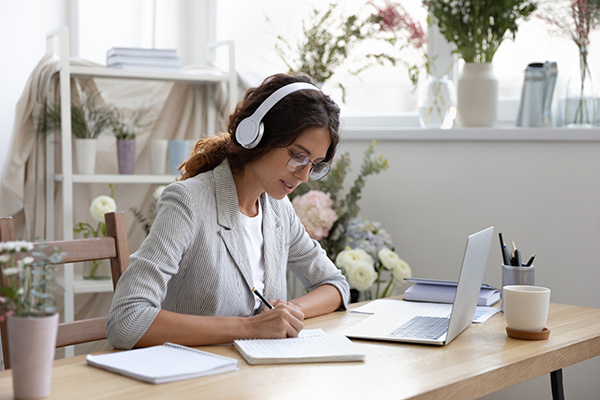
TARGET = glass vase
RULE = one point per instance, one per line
(437, 103)
(97, 270)
(580, 102)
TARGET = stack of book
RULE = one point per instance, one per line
(438, 291)
(165, 60)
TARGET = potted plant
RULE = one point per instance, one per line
(126, 125)
(88, 120)
(32, 320)
(477, 28)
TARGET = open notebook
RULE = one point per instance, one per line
(165, 363)
(312, 345)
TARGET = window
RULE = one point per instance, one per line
(386, 90)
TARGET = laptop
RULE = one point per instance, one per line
(424, 323)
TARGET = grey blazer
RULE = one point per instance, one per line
(194, 261)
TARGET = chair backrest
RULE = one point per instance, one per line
(114, 247)
(7, 233)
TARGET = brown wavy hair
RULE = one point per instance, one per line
(288, 119)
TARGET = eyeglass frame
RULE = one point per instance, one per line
(306, 161)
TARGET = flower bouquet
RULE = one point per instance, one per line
(99, 206)
(478, 27)
(25, 290)
(577, 21)
(358, 247)
(330, 38)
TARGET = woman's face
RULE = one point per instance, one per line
(271, 170)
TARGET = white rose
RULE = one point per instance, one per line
(102, 205)
(388, 258)
(4, 258)
(25, 261)
(361, 276)
(23, 246)
(401, 271)
(158, 191)
(10, 271)
(347, 258)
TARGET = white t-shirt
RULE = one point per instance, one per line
(253, 237)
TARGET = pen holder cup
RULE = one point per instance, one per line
(512, 275)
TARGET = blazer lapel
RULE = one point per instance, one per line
(273, 239)
(227, 218)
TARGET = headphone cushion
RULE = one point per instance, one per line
(246, 132)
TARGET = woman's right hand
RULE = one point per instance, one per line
(285, 320)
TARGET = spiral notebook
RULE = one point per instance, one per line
(312, 345)
(165, 363)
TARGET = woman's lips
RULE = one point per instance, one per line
(288, 187)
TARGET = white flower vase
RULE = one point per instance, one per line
(158, 156)
(581, 101)
(85, 151)
(437, 103)
(477, 93)
(31, 343)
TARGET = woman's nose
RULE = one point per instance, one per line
(304, 173)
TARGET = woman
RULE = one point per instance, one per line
(227, 227)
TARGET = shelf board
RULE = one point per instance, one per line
(191, 75)
(81, 285)
(117, 178)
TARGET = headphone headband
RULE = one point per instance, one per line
(250, 130)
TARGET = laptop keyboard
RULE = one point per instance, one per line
(422, 328)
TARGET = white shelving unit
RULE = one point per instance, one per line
(209, 76)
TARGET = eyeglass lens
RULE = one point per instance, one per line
(318, 170)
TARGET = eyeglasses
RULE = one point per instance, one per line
(298, 161)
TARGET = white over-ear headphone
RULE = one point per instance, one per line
(250, 130)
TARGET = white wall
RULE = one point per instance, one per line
(23, 26)
(543, 195)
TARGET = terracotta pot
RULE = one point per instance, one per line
(31, 343)
(126, 155)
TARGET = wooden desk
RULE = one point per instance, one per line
(479, 361)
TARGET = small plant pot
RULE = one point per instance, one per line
(126, 155)
(85, 151)
(31, 344)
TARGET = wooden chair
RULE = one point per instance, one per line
(114, 246)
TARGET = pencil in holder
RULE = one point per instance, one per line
(512, 275)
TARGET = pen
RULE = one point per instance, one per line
(530, 261)
(502, 247)
(517, 257)
(260, 296)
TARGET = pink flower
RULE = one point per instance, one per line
(315, 212)
(394, 17)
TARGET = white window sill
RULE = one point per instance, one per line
(471, 134)
(406, 127)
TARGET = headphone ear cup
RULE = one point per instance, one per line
(248, 133)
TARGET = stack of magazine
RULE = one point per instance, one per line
(165, 60)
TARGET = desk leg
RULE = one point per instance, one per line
(556, 379)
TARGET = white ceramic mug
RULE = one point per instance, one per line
(526, 307)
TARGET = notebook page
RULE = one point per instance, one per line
(301, 349)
